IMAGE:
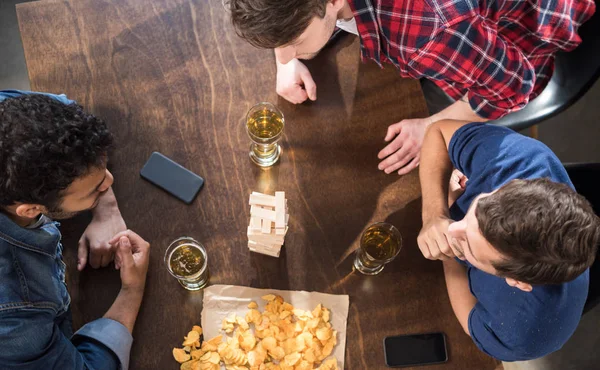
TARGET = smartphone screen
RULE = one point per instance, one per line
(418, 349)
(172, 177)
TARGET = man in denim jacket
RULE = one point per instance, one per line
(53, 159)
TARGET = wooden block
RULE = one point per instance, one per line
(255, 223)
(280, 209)
(257, 211)
(270, 254)
(262, 200)
(259, 245)
(266, 226)
(281, 231)
(275, 240)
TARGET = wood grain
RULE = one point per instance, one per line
(171, 76)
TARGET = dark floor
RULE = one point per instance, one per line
(573, 135)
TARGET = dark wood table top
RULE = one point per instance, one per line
(172, 76)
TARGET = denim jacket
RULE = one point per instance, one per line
(35, 317)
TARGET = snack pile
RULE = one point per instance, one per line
(280, 338)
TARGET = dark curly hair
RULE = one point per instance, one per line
(44, 146)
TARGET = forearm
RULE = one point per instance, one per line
(126, 307)
(434, 174)
(107, 205)
(460, 110)
(461, 299)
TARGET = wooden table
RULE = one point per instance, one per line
(172, 76)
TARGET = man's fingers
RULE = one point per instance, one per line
(82, 254)
(444, 245)
(124, 253)
(410, 166)
(457, 251)
(309, 85)
(397, 160)
(421, 242)
(95, 260)
(393, 130)
(391, 147)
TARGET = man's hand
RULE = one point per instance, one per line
(458, 183)
(404, 152)
(132, 257)
(106, 222)
(295, 83)
(434, 241)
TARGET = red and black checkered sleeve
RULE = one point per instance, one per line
(470, 56)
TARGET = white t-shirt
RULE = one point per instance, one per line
(347, 25)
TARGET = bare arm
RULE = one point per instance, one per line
(461, 299)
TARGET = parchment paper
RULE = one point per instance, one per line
(220, 301)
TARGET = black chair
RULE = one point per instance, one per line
(574, 73)
(585, 178)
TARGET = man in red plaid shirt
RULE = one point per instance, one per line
(491, 56)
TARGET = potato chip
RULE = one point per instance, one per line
(269, 343)
(247, 340)
(252, 305)
(216, 340)
(277, 353)
(292, 359)
(330, 364)
(303, 365)
(268, 297)
(197, 328)
(180, 355)
(191, 338)
(324, 333)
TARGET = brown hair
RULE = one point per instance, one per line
(273, 23)
(548, 233)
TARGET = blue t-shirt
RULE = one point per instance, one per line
(507, 323)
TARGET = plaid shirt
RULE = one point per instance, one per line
(498, 52)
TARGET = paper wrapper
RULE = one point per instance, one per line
(220, 301)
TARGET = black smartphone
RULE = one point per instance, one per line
(172, 177)
(414, 350)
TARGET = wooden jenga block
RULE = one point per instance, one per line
(259, 199)
(281, 232)
(280, 209)
(265, 246)
(265, 214)
(266, 226)
(267, 253)
(255, 223)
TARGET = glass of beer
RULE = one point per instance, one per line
(379, 244)
(186, 261)
(264, 124)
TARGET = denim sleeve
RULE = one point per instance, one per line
(5, 94)
(109, 333)
(31, 339)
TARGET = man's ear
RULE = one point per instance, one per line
(29, 210)
(519, 285)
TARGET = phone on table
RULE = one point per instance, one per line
(172, 177)
(415, 349)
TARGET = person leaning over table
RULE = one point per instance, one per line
(53, 158)
(523, 238)
(491, 57)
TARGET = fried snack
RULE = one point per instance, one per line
(281, 338)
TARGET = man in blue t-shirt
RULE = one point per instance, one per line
(524, 238)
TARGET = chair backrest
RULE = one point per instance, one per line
(585, 178)
(574, 73)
